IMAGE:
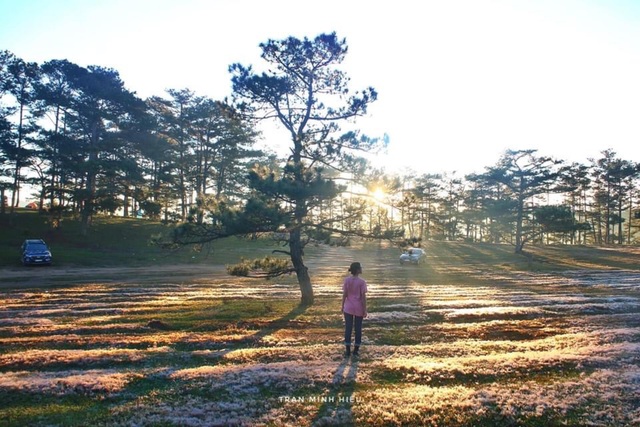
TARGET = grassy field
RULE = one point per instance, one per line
(478, 336)
(111, 241)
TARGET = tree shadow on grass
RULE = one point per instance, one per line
(273, 326)
(337, 405)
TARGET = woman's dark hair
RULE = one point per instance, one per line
(355, 268)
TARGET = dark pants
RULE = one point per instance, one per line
(349, 322)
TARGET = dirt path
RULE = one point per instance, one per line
(52, 276)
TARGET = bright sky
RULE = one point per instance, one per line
(459, 81)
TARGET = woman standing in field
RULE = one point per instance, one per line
(354, 307)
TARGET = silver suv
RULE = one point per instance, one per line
(413, 256)
(35, 251)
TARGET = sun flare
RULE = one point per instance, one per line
(379, 194)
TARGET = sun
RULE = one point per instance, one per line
(379, 194)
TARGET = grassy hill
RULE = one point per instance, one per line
(117, 241)
(110, 241)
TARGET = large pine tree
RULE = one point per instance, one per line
(308, 95)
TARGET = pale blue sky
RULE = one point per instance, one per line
(459, 81)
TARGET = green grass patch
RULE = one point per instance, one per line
(395, 335)
(215, 314)
(540, 374)
(22, 409)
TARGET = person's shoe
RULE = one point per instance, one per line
(347, 351)
(356, 351)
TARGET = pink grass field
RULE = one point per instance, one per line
(444, 345)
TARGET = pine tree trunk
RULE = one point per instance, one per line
(302, 272)
(90, 184)
(519, 219)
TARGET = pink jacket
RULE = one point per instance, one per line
(354, 288)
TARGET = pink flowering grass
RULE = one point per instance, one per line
(447, 344)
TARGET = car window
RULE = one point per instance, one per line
(37, 247)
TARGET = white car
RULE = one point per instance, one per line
(413, 256)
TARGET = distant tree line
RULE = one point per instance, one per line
(90, 146)
(524, 198)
